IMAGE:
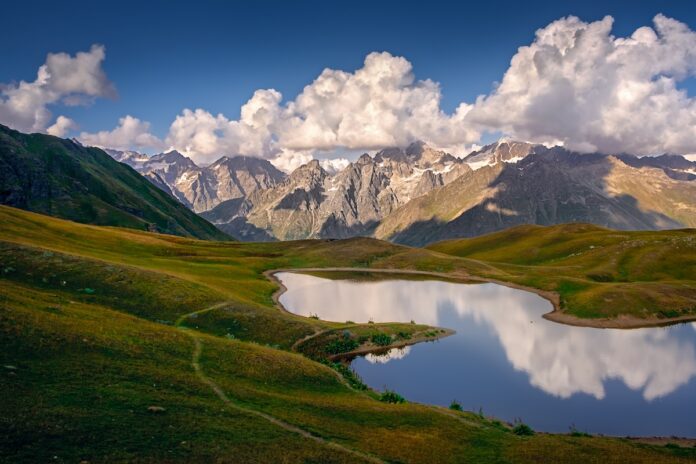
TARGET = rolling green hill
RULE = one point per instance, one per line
(61, 178)
(627, 277)
(119, 345)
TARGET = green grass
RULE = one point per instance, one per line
(84, 367)
(598, 273)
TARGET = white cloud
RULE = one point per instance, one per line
(130, 133)
(334, 165)
(380, 104)
(578, 84)
(62, 78)
(61, 127)
(289, 160)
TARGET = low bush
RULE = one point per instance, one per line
(341, 346)
(455, 406)
(381, 339)
(391, 397)
(522, 430)
(574, 432)
(347, 373)
(601, 277)
(404, 335)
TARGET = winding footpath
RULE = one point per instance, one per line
(195, 362)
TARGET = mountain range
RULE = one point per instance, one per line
(414, 195)
(417, 194)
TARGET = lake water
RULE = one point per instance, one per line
(509, 362)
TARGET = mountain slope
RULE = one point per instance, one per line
(549, 186)
(203, 188)
(312, 203)
(61, 178)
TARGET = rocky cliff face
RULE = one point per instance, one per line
(201, 189)
(311, 203)
(504, 151)
(417, 195)
(548, 186)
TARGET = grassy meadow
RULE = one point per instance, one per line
(603, 277)
(125, 346)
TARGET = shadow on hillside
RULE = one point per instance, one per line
(245, 231)
(334, 227)
(299, 199)
(550, 187)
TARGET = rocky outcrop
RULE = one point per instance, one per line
(203, 188)
(310, 203)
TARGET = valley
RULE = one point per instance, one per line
(113, 302)
(348, 232)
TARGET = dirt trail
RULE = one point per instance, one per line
(195, 362)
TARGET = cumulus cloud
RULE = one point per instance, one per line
(580, 85)
(576, 84)
(61, 127)
(289, 160)
(130, 133)
(379, 105)
(333, 165)
(206, 137)
(66, 79)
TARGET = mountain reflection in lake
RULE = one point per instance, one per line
(510, 362)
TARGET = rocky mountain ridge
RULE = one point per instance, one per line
(312, 203)
(416, 195)
(203, 188)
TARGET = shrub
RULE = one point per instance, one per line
(341, 346)
(381, 339)
(522, 430)
(603, 277)
(391, 397)
(347, 373)
(574, 432)
(455, 406)
(404, 335)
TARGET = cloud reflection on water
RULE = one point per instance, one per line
(559, 359)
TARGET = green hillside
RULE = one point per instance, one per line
(61, 178)
(119, 345)
(630, 277)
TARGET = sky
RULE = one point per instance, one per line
(164, 74)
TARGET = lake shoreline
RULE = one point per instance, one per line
(683, 438)
(557, 315)
(442, 332)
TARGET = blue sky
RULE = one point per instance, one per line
(164, 56)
